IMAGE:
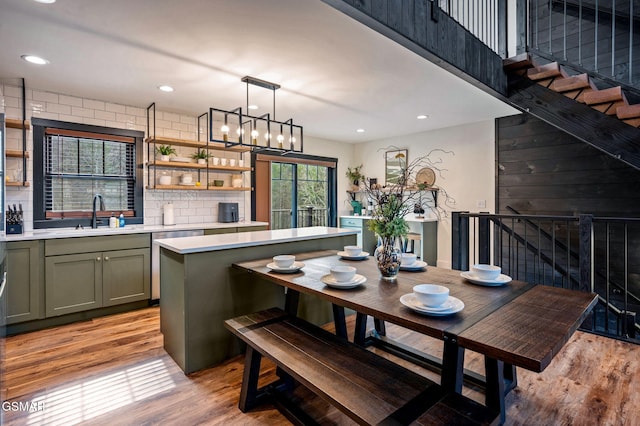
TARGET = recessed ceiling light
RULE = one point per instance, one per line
(166, 88)
(46, 1)
(253, 107)
(35, 59)
(360, 130)
(422, 116)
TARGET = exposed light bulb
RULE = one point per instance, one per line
(280, 140)
(292, 140)
(267, 136)
(225, 132)
(254, 136)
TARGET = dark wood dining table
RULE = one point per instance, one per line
(514, 325)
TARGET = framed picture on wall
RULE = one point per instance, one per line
(395, 163)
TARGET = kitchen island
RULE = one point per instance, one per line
(200, 289)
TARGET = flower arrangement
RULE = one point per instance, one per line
(393, 202)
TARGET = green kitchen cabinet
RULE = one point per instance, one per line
(74, 283)
(25, 292)
(94, 272)
(126, 276)
(367, 240)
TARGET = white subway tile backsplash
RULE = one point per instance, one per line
(105, 115)
(191, 206)
(93, 104)
(121, 109)
(44, 96)
(70, 100)
(82, 112)
(139, 112)
(58, 108)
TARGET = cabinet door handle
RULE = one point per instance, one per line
(98, 259)
(106, 258)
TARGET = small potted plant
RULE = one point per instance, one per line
(165, 151)
(201, 156)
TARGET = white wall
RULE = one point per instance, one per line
(190, 206)
(345, 154)
(468, 178)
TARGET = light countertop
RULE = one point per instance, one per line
(408, 219)
(187, 245)
(45, 234)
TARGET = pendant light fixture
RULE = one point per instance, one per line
(230, 127)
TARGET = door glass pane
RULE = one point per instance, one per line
(281, 195)
(312, 196)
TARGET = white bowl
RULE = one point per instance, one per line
(284, 260)
(431, 295)
(186, 179)
(486, 272)
(342, 273)
(352, 250)
(165, 180)
(408, 259)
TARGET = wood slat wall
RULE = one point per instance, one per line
(542, 170)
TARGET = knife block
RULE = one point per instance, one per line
(15, 228)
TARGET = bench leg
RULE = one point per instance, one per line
(452, 365)
(360, 332)
(249, 390)
(339, 321)
(494, 371)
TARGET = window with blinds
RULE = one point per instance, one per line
(78, 166)
(74, 162)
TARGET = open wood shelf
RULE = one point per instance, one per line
(14, 123)
(196, 144)
(15, 153)
(198, 188)
(178, 164)
(16, 184)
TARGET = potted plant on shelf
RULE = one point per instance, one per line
(201, 156)
(165, 151)
(355, 175)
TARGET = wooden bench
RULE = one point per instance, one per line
(366, 387)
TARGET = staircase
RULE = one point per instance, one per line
(581, 88)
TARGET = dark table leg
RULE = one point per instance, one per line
(380, 327)
(452, 365)
(291, 302)
(339, 320)
(360, 332)
(495, 386)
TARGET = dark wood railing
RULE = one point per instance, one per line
(578, 252)
(306, 216)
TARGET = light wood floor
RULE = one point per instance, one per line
(113, 371)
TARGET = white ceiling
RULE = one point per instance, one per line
(336, 74)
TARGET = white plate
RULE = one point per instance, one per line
(290, 270)
(501, 280)
(451, 306)
(354, 282)
(362, 256)
(418, 265)
(187, 184)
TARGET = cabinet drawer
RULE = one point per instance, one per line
(56, 247)
(346, 222)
